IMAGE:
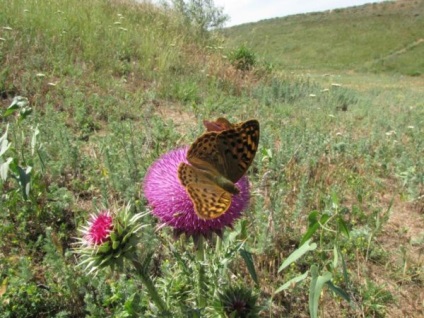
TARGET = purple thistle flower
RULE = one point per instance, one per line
(172, 204)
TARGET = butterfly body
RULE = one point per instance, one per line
(218, 159)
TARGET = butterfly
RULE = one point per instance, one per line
(218, 125)
(218, 159)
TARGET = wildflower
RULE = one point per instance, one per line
(172, 205)
(98, 229)
(108, 239)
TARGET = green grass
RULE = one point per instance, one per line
(113, 85)
(362, 38)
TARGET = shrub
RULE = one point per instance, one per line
(243, 58)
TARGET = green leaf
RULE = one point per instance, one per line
(115, 244)
(18, 102)
(335, 199)
(13, 166)
(105, 247)
(293, 257)
(127, 237)
(113, 236)
(345, 274)
(313, 217)
(34, 139)
(324, 218)
(4, 143)
(24, 178)
(292, 281)
(343, 227)
(317, 284)
(248, 259)
(313, 226)
(336, 256)
(24, 113)
(243, 229)
(10, 110)
(338, 291)
(4, 168)
(311, 231)
(232, 237)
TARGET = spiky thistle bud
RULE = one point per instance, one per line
(238, 301)
(108, 239)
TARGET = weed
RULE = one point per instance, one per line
(243, 58)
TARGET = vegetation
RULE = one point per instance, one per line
(373, 37)
(242, 58)
(108, 86)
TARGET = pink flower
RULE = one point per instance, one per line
(99, 228)
(108, 238)
(172, 205)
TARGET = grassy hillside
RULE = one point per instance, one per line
(107, 87)
(376, 37)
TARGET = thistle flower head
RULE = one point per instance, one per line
(98, 229)
(108, 238)
(172, 205)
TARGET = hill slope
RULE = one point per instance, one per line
(379, 37)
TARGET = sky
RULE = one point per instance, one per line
(243, 11)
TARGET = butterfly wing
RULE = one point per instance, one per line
(210, 200)
(229, 152)
(237, 148)
(203, 154)
(218, 159)
(218, 125)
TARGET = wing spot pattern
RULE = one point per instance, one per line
(226, 152)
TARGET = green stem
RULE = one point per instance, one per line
(147, 282)
(200, 254)
(218, 245)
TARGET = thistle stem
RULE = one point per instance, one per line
(218, 245)
(200, 255)
(151, 289)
